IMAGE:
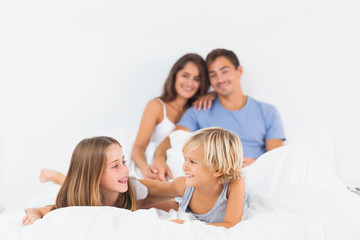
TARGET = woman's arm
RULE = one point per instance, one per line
(205, 101)
(160, 160)
(174, 188)
(160, 156)
(32, 214)
(235, 205)
(150, 118)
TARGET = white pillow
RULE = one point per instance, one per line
(290, 165)
(175, 158)
(178, 138)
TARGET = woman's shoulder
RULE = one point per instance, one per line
(155, 102)
(153, 112)
(154, 106)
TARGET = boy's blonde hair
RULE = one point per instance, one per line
(222, 151)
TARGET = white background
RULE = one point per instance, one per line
(73, 69)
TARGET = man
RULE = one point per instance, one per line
(257, 124)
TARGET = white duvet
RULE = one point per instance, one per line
(292, 195)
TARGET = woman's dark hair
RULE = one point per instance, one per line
(169, 92)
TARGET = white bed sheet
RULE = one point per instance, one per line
(292, 194)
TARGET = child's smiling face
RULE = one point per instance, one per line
(115, 176)
(196, 172)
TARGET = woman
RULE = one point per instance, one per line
(187, 81)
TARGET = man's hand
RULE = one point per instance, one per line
(247, 161)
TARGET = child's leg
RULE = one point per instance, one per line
(49, 175)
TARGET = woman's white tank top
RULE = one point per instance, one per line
(163, 129)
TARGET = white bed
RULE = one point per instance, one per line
(292, 194)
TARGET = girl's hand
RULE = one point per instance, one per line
(205, 101)
(177, 221)
(30, 217)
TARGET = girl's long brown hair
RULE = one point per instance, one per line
(81, 186)
(169, 91)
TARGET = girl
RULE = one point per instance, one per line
(213, 189)
(97, 176)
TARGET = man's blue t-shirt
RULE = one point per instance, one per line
(254, 123)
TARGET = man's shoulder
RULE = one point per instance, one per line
(262, 105)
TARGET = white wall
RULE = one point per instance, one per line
(73, 69)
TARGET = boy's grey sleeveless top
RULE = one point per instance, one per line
(216, 214)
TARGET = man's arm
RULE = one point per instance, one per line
(275, 135)
(275, 132)
(270, 144)
(160, 156)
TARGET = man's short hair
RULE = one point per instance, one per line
(221, 52)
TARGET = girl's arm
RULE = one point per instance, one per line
(235, 205)
(32, 214)
(150, 118)
(174, 188)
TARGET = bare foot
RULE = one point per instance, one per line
(47, 175)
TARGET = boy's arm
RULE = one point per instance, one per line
(174, 188)
(235, 205)
(32, 214)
